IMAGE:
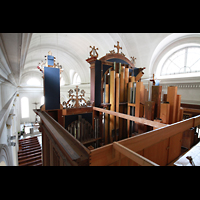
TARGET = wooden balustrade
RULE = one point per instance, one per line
(59, 146)
(157, 147)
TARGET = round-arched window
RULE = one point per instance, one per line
(24, 107)
(185, 60)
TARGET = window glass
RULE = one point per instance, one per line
(24, 107)
(186, 60)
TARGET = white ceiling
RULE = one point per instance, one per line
(71, 51)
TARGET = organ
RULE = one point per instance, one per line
(109, 130)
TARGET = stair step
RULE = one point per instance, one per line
(29, 159)
(30, 163)
(31, 142)
(28, 146)
(29, 149)
(28, 152)
(28, 140)
(29, 155)
(37, 164)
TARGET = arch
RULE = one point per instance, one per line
(5, 158)
(110, 56)
(169, 45)
(184, 60)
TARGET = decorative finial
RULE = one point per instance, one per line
(93, 52)
(118, 47)
(133, 60)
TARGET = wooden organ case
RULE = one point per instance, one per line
(113, 87)
(108, 130)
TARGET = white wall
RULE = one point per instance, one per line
(188, 88)
(8, 154)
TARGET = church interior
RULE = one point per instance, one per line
(99, 99)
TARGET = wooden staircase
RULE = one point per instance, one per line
(30, 152)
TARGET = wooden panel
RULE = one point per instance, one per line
(73, 150)
(164, 112)
(156, 97)
(133, 155)
(103, 156)
(175, 146)
(158, 152)
(171, 98)
(196, 121)
(188, 138)
(145, 140)
(106, 156)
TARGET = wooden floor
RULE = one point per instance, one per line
(30, 152)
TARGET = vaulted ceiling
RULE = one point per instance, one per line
(21, 52)
(72, 49)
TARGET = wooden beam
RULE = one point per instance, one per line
(133, 155)
(132, 118)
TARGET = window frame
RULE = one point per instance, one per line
(185, 62)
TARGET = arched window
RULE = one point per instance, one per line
(76, 79)
(182, 61)
(33, 82)
(24, 107)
